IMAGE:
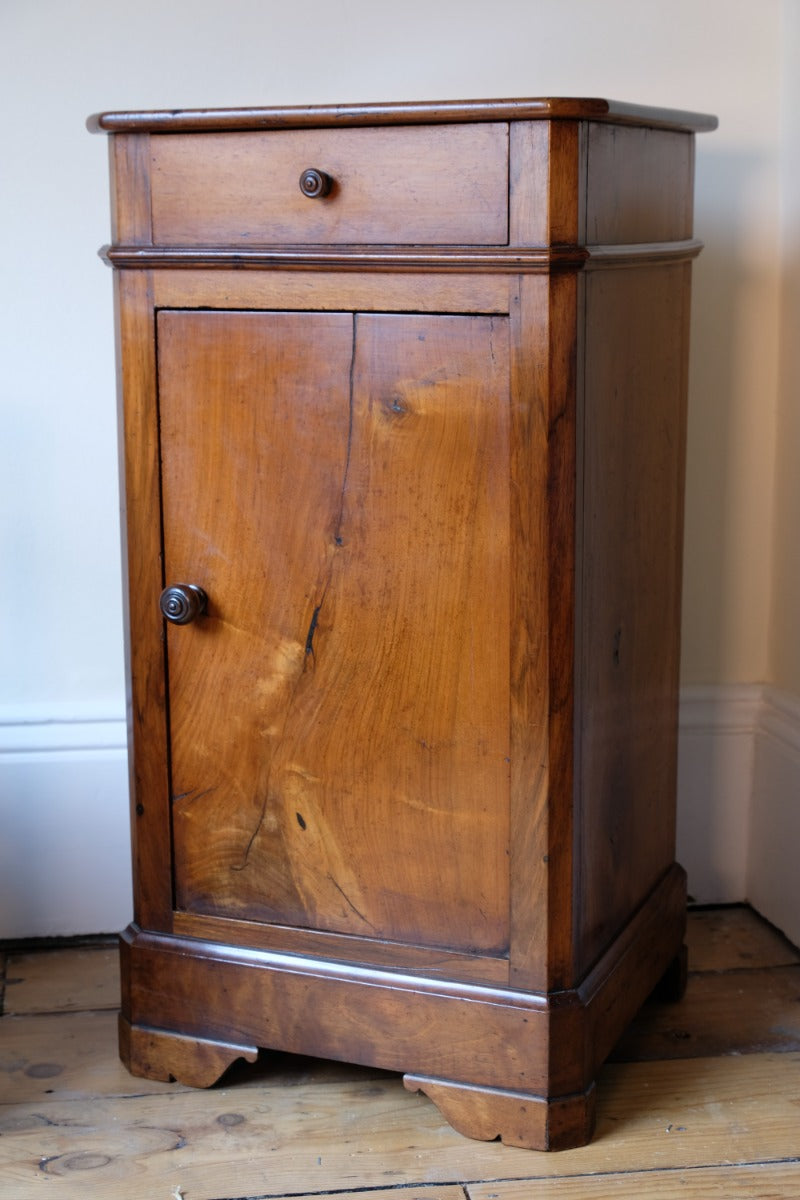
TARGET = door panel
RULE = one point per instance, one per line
(339, 721)
(254, 414)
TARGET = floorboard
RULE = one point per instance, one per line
(70, 980)
(749, 1012)
(769, 1181)
(702, 1102)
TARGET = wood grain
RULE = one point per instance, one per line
(488, 1037)
(515, 1118)
(425, 527)
(722, 939)
(531, 647)
(768, 1181)
(722, 1125)
(383, 291)
(67, 980)
(563, 491)
(416, 185)
(73, 1056)
(225, 1143)
(248, 375)
(131, 219)
(195, 1061)
(336, 675)
(759, 1010)
(66, 1057)
(529, 183)
(639, 185)
(633, 435)
(143, 580)
(405, 113)
(422, 960)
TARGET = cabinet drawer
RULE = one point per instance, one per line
(412, 185)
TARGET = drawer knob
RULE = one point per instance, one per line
(183, 602)
(315, 184)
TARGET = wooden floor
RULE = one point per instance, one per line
(701, 1101)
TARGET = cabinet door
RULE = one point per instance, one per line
(338, 484)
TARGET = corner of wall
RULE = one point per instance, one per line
(739, 798)
(716, 762)
(773, 878)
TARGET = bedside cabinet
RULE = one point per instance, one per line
(403, 392)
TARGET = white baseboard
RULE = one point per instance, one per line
(773, 885)
(65, 849)
(716, 755)
(739, 798)
(65, 843)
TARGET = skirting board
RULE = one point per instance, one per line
(773, 879)
(64, 853)
(65, 845)
(739, 799)
(716, 756)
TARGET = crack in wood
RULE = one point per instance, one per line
(310, 653)
(349, 902)
(193, 795)
(311, 629)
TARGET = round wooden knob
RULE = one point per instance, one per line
(182, 602)
(315, 184)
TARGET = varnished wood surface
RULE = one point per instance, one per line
(143, 572)
(416, 185)
(310, 630)
(633, 431)
(718, 1125)
(396, 511)
(379, 291)
(422, 960)
(639, 185)
(446, 111)
(360, 258)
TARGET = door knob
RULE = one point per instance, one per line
(315, 184)
(182, 602)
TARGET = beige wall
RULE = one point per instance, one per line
(62, 59)
(63, 802)
(784, 664)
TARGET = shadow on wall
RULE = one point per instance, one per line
(726, 555)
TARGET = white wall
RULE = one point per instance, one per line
(60, 608)
(773, 878)
(785, 622)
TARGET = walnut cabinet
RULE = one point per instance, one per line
(403, 392)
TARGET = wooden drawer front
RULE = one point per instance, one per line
(403, 185)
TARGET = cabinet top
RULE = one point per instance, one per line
(200, 120)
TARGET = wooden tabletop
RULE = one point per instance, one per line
(415, 113)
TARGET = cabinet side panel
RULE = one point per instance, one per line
(636, 340)
(639, 185)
